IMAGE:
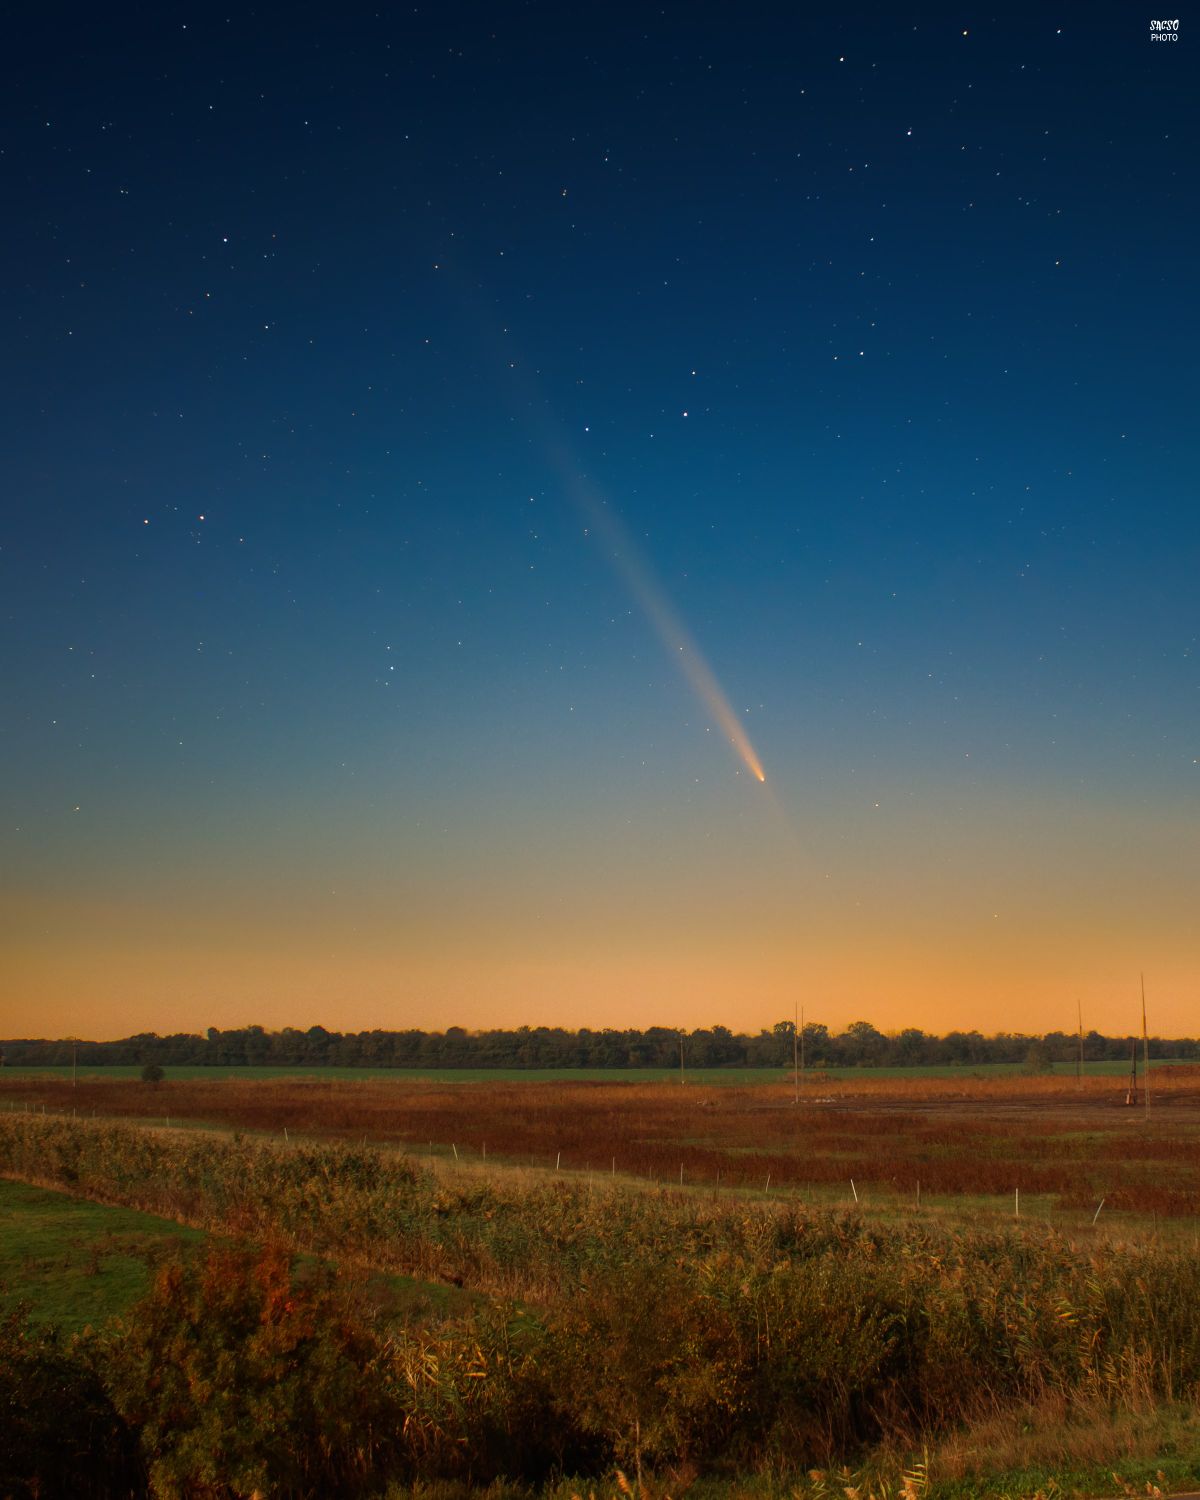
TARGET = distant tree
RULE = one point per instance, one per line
(816, 1042)
(152, 1073)
(316, 1045)
(909, 1047)
(1039, 1058)
(1062, 1048)
(543, 1047)
(861, 1043)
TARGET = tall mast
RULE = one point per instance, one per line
(1145, 1049)
(796, 1054)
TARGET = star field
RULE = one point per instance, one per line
(448, 451)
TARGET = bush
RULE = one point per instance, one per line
(246, 1379)
(653, 1328)
(655, 1371)
(1039, 1059)
(243, 1382)
(62, 1436)
(152, 1073)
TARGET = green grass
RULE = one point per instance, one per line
(742, 1076)
(75, 1262)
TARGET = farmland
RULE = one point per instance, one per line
(1062, 1144)
(676, 1282)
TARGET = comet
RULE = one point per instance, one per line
(636, 573)
(623, 552)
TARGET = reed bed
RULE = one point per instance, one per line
(1074, 1142)
(646, 1329)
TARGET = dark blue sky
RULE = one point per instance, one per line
(877, 329)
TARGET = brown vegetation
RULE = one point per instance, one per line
(684, 1333)
(1075, 1141)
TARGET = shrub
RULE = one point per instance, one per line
(656, 1372)
(654, 1328)
(62, 1436)
(243, 1382)
(246, 1379)
(479, 1403)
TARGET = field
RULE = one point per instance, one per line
(1063, 1145)
(78, 1263)
(741, 1077)
(708, 1288)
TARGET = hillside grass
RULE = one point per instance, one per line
(76, 1263)
(726, 1344)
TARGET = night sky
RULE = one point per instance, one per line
(447, 450)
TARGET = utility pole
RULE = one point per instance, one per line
(1145, 1049)
(681, 1080)
(796, 1054)
(1079, 1060)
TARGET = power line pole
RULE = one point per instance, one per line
(1145, 1049)
(796, 1054)
(681, 1080)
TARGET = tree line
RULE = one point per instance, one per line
(860, 1045)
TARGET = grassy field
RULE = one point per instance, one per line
(840, 1294)
(1064, 1145)
(733, 1343)
(77, 1263)
(733, 1077)
(516, 1277)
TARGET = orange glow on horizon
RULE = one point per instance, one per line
(109, 970)
(925, 912)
